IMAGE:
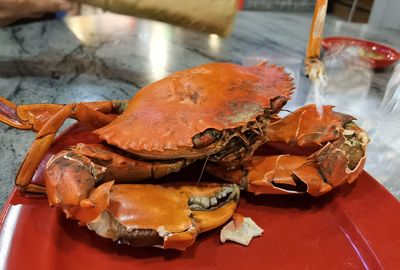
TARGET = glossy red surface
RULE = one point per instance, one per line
(379, 55)
(353, 227)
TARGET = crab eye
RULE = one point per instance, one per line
(205, 138)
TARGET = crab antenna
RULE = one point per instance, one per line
(202, 170)
(289, 111)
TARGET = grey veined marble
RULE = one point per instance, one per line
(110, 57)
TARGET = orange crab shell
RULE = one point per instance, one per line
(169, 113)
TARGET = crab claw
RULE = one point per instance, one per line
(77, 180)
(139, 215)
(308, 127)
(339, 160)
(171, 219)
(283, 174)
(152, 215)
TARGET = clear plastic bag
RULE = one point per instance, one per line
(349, 88)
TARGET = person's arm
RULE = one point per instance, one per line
(13, 10)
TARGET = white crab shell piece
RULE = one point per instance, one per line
(241, 232)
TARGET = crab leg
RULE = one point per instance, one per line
(340, 159)
(46, 119)
(34, 116)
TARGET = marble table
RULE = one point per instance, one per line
(110, 57)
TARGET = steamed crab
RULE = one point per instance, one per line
(220, 112)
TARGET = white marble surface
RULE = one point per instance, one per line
(110, 57)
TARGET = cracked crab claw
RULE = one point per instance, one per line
(339, 159)
(152, 215)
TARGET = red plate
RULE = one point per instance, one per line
(379, 55)
(354, 227)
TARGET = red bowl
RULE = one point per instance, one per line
(379, 55)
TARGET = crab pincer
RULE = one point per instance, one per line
(339, 159)
(153, 215)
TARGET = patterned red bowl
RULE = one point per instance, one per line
(378, 55)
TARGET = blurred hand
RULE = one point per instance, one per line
(12, 10)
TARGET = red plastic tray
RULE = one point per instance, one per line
(354, 227)
(379, 55)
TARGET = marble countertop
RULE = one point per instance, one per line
(108, 56)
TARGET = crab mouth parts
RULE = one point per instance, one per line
(236, 144)
(209, 203)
